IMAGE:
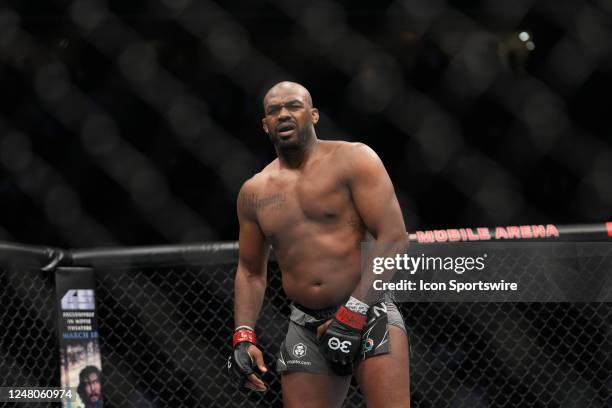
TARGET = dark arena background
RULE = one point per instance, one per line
(128, 127)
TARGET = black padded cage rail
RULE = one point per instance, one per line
(165, 321)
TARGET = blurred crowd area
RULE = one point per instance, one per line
(136, 122)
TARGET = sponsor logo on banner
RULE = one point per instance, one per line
(78, 299)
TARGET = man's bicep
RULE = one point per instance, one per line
(252, 247)
(374, 196)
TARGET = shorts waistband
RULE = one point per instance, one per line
(328, 312)
(318, 314)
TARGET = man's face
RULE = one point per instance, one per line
(93, 388)
(289, 116)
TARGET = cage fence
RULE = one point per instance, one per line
(165, 325)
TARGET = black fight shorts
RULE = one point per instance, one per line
(300, 349)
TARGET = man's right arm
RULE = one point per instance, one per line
(250, 282)
(249, 291)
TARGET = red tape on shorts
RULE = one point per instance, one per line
(350, 318)
(243, 335)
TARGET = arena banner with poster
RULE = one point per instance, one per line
(81, 366)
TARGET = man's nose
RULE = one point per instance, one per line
(284, 113)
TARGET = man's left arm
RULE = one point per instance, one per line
(374, 198)
(376, 203)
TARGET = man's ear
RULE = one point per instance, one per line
(315, 115)
(265, 127)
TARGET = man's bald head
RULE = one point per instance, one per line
(287, 88)
(289, 116)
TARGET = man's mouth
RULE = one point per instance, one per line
(285, 130)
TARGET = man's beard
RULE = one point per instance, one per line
(290, 145)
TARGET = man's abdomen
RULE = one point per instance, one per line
(321, 271)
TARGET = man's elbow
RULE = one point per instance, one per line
(403, 240)
(252, 273)
(397, 238)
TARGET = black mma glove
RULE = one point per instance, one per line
(341, 342)
(240, 364)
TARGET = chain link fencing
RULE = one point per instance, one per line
(29, 349)
(165, 333)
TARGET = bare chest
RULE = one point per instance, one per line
(290, 201)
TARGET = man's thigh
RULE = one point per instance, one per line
(384, 379)
(307, 390)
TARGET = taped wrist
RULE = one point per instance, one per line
(242, 334)
(353, 313)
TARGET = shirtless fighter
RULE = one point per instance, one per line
(313, 206)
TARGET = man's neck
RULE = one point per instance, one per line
(295, 158)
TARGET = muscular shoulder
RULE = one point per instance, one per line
(350, 150)
(354, 156)
(247, 196)
(253, 187)
(256, 182)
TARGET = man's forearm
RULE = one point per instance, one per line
(249, 292)
(380, 248)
